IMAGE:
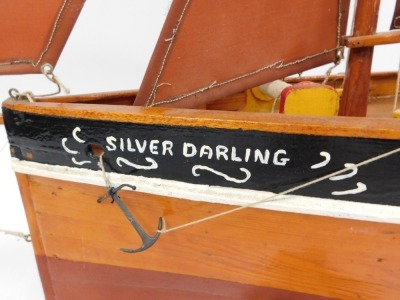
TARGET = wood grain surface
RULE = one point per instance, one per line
(330, 257)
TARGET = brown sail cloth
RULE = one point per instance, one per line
(34, 32)
(213, 48)
(395, 24)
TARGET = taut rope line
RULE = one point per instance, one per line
(396, 96)
(273, 197)
(26, 237)
(103, 171)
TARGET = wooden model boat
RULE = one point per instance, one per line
(224, 202)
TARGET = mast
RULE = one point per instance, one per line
(355, 91)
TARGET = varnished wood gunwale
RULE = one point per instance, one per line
(330, 257)
(382, 85)
(383, 128)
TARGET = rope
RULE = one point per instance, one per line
(337, 63)
(273, 197)
(3, 146)
(396, 96)
(101, 165)
(26, 237)
(47, 70)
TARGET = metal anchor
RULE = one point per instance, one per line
(147, 241)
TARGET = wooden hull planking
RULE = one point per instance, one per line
(250, 254)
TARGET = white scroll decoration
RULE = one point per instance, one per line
(353, 172)
(153, 164)
(64, 142)
(228, 178)
(74, 134)
(361, 187)
(80, 163)
(323, 163)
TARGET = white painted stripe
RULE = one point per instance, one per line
(215, 194)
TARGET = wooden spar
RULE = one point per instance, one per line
(365, 128)
(373, 39)
(115, 98)
(355, 91)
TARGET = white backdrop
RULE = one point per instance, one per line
(108, 50)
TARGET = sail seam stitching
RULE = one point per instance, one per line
(276, 65)
(57, 22)
(150, 101)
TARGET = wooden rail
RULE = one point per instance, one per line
(373, 39)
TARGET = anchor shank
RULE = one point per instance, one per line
(129, 216)
(147, 240)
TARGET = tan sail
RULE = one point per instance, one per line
(34, 32)
(211, 49)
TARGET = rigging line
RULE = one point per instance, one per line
(339, 27)
(3, 146)
(273, 197)
(340, 50)
(66, 3)
(47, 70)
(280, 64)
(396, 96)
(26, 237)
(103, 170)
(151, 99)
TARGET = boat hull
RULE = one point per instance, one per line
(72, 279)
(249, 254)
(243, 247)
